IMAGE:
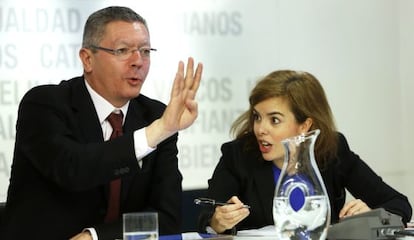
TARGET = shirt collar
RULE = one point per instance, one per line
(102, 106)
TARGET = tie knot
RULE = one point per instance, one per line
(115, 119)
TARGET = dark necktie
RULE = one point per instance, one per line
(115, 119)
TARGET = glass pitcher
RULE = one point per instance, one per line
(301, 207)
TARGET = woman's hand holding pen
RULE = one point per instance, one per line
(227, 216)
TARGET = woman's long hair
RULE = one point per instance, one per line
(306, 99)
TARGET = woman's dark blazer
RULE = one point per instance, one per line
(244, 173)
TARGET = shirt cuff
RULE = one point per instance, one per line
(92, 231)
(141, 145)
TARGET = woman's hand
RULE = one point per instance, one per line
(227, 216)
(354, 207)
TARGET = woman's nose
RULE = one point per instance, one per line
(262, 128)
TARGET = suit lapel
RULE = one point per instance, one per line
(86, 116)
(85, 112)
(135, 116)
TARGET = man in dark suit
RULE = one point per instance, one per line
(64, 159)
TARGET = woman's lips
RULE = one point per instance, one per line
(265, 147)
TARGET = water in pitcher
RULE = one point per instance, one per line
(308, 222)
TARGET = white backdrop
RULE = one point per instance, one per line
(360, 51)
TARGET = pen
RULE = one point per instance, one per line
(212, 202)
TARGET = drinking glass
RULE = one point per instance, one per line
(140, 225)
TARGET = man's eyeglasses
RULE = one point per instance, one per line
(125, 53)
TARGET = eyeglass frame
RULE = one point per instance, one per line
(128, 51)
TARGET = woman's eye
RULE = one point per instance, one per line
(256, 117)
(275, 120)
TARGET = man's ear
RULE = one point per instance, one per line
(85, 56)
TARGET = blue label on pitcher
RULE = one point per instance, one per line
(297, 188)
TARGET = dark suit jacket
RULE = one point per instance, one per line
(245, 174)
(62, 166)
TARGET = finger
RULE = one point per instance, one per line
(189, 73)
(240, 217)
(237, 202)
(229, 219)
(353, 210)
(178, 81)
(229, 213)
(346, 208)
(229, 208)
(235, 217)
(364, 209)
(197, 77)
(234, 199)
(359, 207)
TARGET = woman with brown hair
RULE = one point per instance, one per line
(282, 105)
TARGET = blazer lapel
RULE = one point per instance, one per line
(263, 179)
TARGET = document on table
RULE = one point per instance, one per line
(196, 236)
(267, 231)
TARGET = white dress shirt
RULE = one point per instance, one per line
(103, 109)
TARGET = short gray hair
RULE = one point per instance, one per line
(95, 25)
